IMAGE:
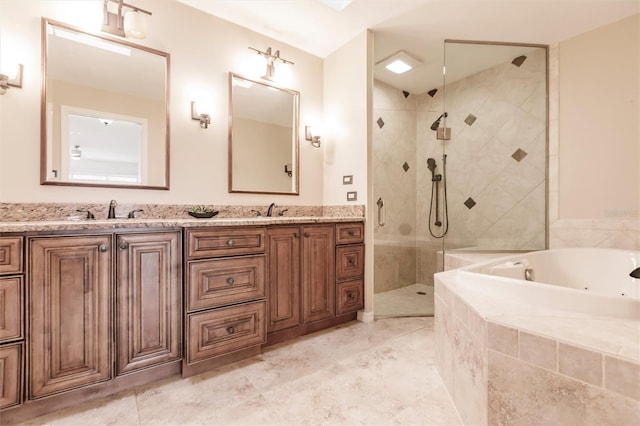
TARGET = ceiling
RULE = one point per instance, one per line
(418, 27)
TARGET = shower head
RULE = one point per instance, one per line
(436, 123)
(431, 165)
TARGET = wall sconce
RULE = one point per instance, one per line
(271, 59)
(11, 78)
(204, 119)
(76, 154)
(308, 135)
(288, 169)
(131, 24)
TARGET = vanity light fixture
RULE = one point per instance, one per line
(10, 78)
(204, 119)
(76, 154)
(130, 24)
(308, 135)
(271, 59)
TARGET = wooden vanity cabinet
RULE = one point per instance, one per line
(101, 306)
(349, 267)
(225, 282)
(11, 321)
(301, 279)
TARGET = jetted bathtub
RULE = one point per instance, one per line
(589, 280)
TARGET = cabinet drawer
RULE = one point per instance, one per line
(11, 375)
(225, 330)
(349, 261)
(10, 255)
(349, 233)
(220, 282)
(349, 296)
(11, 302)
(202, 243)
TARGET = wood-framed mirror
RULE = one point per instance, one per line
(104, 112)
(263, 137)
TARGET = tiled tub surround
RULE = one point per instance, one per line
(509, 363)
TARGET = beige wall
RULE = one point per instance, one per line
(203, 50)
(599, 116)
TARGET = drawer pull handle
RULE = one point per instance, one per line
(231, 281)
(350, 262)
(123, 246)
(231, 243)
(231, 330)
(103, 248)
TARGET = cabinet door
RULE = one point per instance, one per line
(148, 295)
(70, 313)
(11, 302)
(318, 272)
(10, 375)
(284, 277)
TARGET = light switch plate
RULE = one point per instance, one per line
(352, 196)
(347, 179)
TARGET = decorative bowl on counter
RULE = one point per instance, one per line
(203, 215)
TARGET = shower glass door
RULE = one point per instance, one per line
(495, 98)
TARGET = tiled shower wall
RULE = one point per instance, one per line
(495, 168)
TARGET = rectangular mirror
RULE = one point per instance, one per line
(263, 137)
(105, 111)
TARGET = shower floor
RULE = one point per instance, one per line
(404, 302)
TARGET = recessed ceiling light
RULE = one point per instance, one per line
(399, 63)
(398, 66)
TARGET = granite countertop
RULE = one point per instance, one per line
(72, 225)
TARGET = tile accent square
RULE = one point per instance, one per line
(519, 154)
(580, 364)
(380, 122)
(405, 166)
(470, 203)
(502, 339)
(537, 350)
(470, 119)
(432, 92)
(406, 94)
(519, 60)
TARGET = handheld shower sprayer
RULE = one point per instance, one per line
(436, 123)
(436, 181)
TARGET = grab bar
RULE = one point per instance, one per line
(381, 212)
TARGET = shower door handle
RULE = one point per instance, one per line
(381, 211)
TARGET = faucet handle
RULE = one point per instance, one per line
(132, 213)
(88, 212)
(281, 212)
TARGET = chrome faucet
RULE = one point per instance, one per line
(112, 210)
(635, 273)
(270, 209)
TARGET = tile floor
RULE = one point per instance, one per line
(404, 301)
(382, 373)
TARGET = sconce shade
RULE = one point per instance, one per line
(11, 77)
(130, 24)
(204, 119)
(308, 135)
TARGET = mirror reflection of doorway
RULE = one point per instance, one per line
(99, 147)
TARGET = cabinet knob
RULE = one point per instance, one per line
(296, 234)
(351, 233)
(231, 330)
(103, 248)
(230, 281)
(124, 246)
(231, 243)
(351, 295)
(306, 234)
